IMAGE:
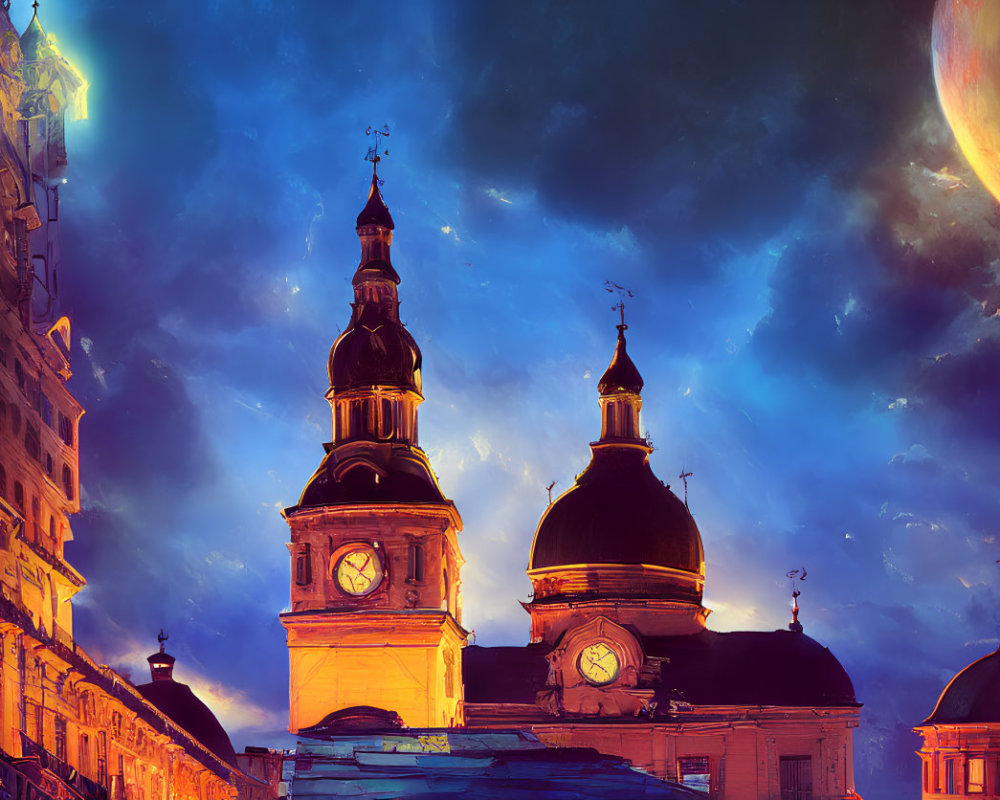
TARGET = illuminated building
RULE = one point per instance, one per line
(69, 727)
(960, 755)
(620, 659)
(375, 555)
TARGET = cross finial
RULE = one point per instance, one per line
(161, 637)
(685, 474)
(373, 154)
(622, 292)
(35, 6)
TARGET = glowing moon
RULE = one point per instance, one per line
(965, 44)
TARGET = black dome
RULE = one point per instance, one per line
(178, 702)
(972, 696)
(374, 351)
(372, 473)
(618, 512)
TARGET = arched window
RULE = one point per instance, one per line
(415, 563)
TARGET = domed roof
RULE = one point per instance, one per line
(375, 212)
(618, 512)
(972, 696)
(372, 472)
(375, 350)
(178, 702)
(621, 374)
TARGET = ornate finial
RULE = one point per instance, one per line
(795, 625)
(622, 292)
(685, 474)
(373, 154)
(162, 637)
(35, 6)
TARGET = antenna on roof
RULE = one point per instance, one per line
(795, 625)
(373, 154)
(622, 292)
(685, 474)
(549, 490)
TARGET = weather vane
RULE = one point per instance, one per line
(373, 154)
(161, 638)
(795, 625)
(622, 292)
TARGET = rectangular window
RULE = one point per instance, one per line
(19, 496)
(32, 443)
(19, 373)
(102, 758)
(977, 775)
(949, 776)
(693, 772)
(67, 481)
(39, 726)
(303, 566)
(795, 774)
(45, 408)
(65, 429)
(61, 738)
(415, 563)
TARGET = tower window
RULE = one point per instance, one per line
(303, 566)
(415, 563)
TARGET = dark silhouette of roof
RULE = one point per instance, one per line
(618, 512)
(178, 702)
(378, 473)
(973, 695)
(375, 212)
(779, 668)
(621, 375)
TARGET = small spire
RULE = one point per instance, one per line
(795, 626)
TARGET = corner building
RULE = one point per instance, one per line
(620, 659)
(69, 727)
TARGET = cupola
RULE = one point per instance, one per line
(618, 536)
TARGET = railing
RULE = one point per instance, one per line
(65, 772)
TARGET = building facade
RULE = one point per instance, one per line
(69, 727)
(620, 658)
(960, 754)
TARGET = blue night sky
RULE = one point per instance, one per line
(814, 268)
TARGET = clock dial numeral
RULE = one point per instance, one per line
(359, 572)
(598, 664)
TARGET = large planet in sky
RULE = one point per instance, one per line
(966, 51)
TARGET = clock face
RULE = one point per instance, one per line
(359, 571)
(598, 664)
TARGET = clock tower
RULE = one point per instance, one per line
(375, 615)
